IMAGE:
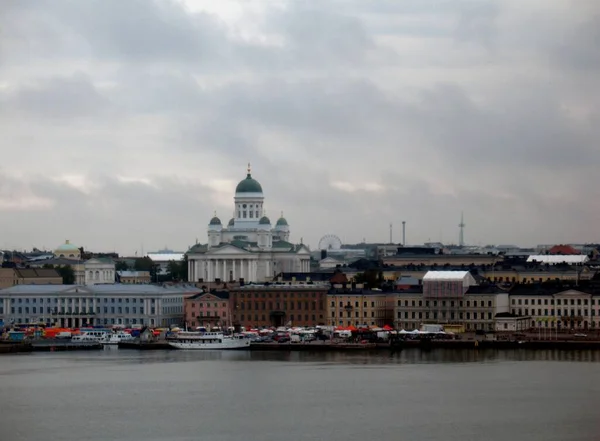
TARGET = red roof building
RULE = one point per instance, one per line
(563, 250)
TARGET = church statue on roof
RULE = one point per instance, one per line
(249, 247)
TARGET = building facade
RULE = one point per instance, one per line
(133, 277)
(76, 305)
(359, 308)
(474, 311)
(29, 276)
(278, 305)
(99, 271)
(249, 247)
(566, 309)
(208, 310)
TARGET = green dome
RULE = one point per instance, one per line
(264, 221)
(231, 222)
(67, 246)
(215, 221)
(282, 222)
(248, 185)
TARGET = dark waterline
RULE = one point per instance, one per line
(222, 396)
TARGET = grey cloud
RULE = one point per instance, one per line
(333, 102)
(59, 97)
(136, 213)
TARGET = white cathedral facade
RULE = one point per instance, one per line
(249, 247)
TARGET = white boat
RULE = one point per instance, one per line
(208, 340)
(90, 336)
(115, 339)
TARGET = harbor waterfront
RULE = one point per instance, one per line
(231, 395)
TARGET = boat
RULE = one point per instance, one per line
(208, 341)
(90, 336)
(115, 339)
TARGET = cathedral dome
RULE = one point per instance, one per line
(67, 246)
(264, 221)
(215, 221)
(281, 222)
(249, 185)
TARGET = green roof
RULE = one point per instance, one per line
(231, 222)
(215, 221)
(282, 222)
(249, 185)
(198, 248)
(282, 244)
(264, 221)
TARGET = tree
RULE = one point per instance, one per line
(121, 265)
(178, 270)
(147, 264)
(67, 274)
(143, 264)
(173, 270)
(183, 272)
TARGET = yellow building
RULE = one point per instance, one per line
(28, 276)
(346, 307)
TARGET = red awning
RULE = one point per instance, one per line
(388, 328)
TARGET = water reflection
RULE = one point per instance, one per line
(407, 356)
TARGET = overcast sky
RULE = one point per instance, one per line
(126, 123)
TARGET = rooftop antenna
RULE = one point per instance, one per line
(461, 234)
(403, 233)
(391, 234)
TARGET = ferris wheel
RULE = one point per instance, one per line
(330, 242)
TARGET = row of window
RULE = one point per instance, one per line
(446, 316)
(207, 305)
(72, 310)
(357, 314)
(55, 300)
(468, 303)
(208, 314)
(270, 295)
(564, 312)
(356, 304)
(292, 317)
(558, 301)
(312, 306)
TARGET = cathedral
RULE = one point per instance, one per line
(249, 247)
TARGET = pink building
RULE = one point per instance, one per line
(207, 310)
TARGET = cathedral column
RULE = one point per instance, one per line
(234, 269)
(209, 270)
(225, 270)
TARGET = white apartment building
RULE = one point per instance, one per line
(77, 305)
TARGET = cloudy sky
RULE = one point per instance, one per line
(126, 123)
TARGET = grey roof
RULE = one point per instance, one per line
(116, 288)
(58, 261)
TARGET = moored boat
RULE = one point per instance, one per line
(208, 341)
(115, 339)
